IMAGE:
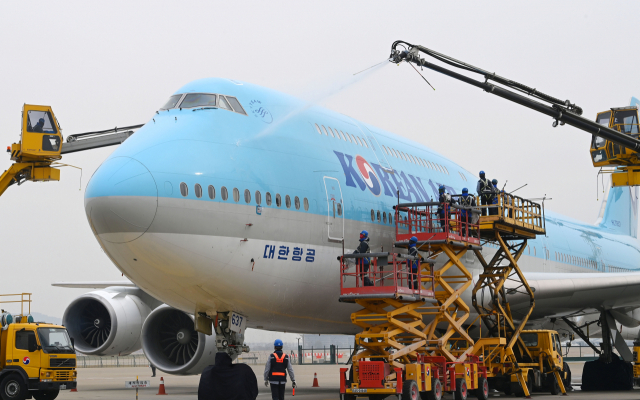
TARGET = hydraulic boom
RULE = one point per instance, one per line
(624, 144)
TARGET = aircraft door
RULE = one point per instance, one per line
(335, 209)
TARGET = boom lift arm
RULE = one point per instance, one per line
(561, 111)
(40, 146)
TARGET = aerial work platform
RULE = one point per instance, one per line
(415, 325)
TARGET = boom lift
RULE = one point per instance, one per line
(41, 146)
(415, 339)
(615, 133)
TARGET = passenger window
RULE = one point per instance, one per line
(212, 192)
(365, 142)
(306, 204)
(378, 214)
(373, 215)
(224, 193)
(390, 218)
(296, 202)
(247, 196)
(173, 101)
(236, 195)
(184, 189)
(222, 103)
(384, 217)
(339, 209)
(318, 129)
(278, 200)
(237, 107)
(268, 196)
(341, 135)
(346, 135)
(331, 131)
(198, 190)
(26, 340)
(324, 130)
(258, 197)
(198, 100)
(40, 122)
(287, 201)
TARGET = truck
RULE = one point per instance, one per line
(38, 359)
(544, 345)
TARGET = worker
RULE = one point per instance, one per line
(275, 371)
(153, 370)
(363, 263)
(495, 195)
(225, 380)
(484, 190)
(466, 214)
(414, 270)
(443, 208)
(39, 126)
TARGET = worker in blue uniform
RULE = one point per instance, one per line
(466, 214)
(484, 188)
(495, 195)
(414, 270)
(275, 372)
(443, 207)
(363, 263)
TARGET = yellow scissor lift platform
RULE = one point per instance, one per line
(407, 354)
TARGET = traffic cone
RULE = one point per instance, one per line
(315, 380)
(161, 388)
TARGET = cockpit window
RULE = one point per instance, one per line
(173, 101)
(224, 103)
(198, 100)
(237, 107)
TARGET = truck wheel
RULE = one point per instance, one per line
(46, 394)
(482, 392)
(461, 389)
(12, 387)
(410, 390)
(436, 391)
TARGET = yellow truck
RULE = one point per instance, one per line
(37, 359)
(546, 350)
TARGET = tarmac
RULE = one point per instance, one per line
(109, 383)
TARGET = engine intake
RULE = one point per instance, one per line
(171, 343)
(108, 322)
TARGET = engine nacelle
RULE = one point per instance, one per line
(108, 322)
(171, 343)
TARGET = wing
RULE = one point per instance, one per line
(564, 294)
(93, 285)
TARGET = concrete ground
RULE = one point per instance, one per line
(108, 383)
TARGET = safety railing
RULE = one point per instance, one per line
(132, 360)
(515, 210)
(433, 222)
(385, 275)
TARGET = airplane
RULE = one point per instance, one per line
(234, 198)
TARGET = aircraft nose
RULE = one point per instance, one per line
(121, 200)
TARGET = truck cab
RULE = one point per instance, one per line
(546, 351)
(37, 360)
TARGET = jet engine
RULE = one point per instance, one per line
(171, 343)
(108, 322)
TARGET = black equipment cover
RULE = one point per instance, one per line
(227, 381)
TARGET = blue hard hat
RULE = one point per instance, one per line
(41, 120)
(494, 181)
(413, 239)
(481, 172)
(278, 343)
(364, 235)
(441, 188)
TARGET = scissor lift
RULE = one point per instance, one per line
(401, 353)
(398, 344)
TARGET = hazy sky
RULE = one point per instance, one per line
(107, 64)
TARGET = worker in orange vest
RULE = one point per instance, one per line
(275, 371)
